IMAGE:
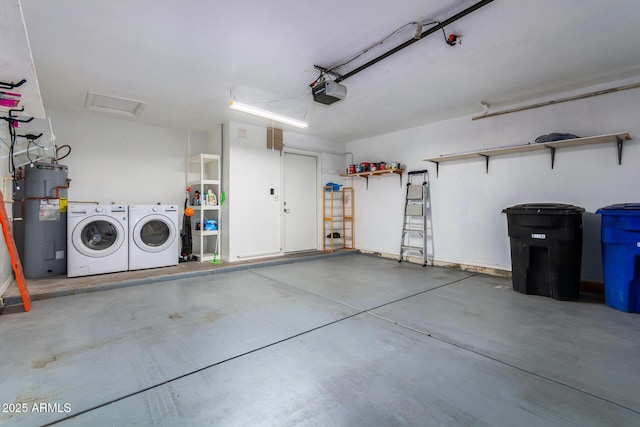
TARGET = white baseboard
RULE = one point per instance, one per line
(465, 267)
(6, 284)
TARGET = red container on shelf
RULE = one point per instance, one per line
(352, 168)
(365, 166)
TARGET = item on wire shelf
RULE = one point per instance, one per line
(211, 198)
(210, 225)
(9, 99)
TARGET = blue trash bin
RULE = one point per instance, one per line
(621, 256)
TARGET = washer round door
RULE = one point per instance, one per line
(98, 236)
(154, 233)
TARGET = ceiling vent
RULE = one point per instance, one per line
(113, 104)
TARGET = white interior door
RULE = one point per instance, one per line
(300, 203)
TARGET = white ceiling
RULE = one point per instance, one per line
(16, 63)
(185, 58)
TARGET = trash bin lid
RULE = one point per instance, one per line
(544, 209)
(620, 209)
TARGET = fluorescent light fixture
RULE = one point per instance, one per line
(266, 114)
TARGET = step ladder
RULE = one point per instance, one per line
(13, 255)
(417, 229)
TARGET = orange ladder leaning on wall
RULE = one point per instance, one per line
(13, 254)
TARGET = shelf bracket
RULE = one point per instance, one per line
(366, 177)
(437, 167)
(619, 143)
(30, 136)
(486, 159)
(14, 119)
(553, 156)
(5, 85)
(400, 176)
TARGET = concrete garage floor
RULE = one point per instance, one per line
(349, 340)
(57, 286)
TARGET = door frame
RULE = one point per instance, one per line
(318, 157)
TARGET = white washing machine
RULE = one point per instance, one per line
(97, 239)
(153, 236)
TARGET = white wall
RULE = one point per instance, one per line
(252, 216)
(332, 155)
(126, 162)
(469, 227)
(117, 161)
(214, 136)
(113, 160)
(123, 161)
(6, 271)
(254, 212)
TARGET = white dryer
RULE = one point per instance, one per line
(153, 236)
(97, 239)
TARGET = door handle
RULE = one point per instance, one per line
(287, 210)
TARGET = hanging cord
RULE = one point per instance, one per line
(11, 164)
(378, 43)
(12, 121)
(12, 144)
(67, 147)
(31, 139)
(419, 25)
(52, 141)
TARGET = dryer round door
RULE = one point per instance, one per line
(98, 236)
(154, 233)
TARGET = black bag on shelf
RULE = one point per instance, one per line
(555, 137)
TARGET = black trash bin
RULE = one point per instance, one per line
(546, 249)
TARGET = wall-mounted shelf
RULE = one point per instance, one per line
(366, 175)
(618, 138)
